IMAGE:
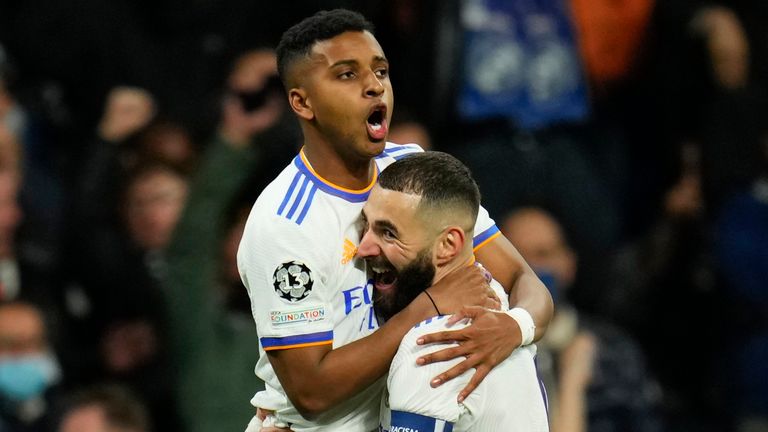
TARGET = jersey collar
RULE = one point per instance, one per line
(351, 195)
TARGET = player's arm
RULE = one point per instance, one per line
(317, 378)
(525, 289)
(493, 335)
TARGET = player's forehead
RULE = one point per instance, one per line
(395, 207)
(358, 46)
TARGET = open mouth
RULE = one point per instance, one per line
(377, 123)
(384, 278)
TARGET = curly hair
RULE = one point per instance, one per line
(297, 41)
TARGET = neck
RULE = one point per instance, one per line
(347, 172)
(465, 258)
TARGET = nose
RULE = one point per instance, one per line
(374, 87)
(368, 247)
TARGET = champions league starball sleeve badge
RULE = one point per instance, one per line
(292, 281)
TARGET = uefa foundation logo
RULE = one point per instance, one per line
(292, 281)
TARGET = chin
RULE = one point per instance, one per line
(377, 146)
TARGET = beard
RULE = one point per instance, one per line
(412, 280)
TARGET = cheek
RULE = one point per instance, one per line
(389, 99)
(397, 255)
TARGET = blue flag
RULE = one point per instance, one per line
(521, 61)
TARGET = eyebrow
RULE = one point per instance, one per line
(385, 224)
(352, 62)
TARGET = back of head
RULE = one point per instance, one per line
(444, 184)
(297, 41)
(104, 407)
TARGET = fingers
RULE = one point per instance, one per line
(480, 373)
(492, 303)
(263, 413)
(465, 312)
(445, 336)
(453, 372)
(460, 315)
(442, 355)
(486, 273)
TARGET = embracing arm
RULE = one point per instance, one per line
(525, 289)
(318, 378)
(493, 335)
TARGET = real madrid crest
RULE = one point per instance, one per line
(292, 281)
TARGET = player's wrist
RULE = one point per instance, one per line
(420, 309)
(526, 323)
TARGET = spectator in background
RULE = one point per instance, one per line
(742, 250)
(23, 275)
(10, 217)
(594, 373)
(725, 104)
(127, 267)
(29, 370)
(125, 212)
(212, 333)
(406, 129)
(128, 110)
(104, 408)
(169, 143)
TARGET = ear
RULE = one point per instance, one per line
(449, 244)
(300, 103)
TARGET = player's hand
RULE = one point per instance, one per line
(266, 422)
(467, 286)
(128, 110)
(489, 340)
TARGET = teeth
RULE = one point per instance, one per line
(376, 126)
(379, 270)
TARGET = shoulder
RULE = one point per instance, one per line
(430, 325)
(394, 152)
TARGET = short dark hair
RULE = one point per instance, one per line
(121, 407)
(298, 40)
(442, 181)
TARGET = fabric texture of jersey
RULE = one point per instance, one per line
(510, 398)
(297, 261)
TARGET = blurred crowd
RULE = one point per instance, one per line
(620, 145)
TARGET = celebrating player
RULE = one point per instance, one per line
(418, 224)
(323, 352)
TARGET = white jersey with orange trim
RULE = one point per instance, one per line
(510, 399)
(297, 260)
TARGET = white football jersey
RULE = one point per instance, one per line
(297, 260)
(510, 399)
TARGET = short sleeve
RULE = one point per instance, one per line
(286, 275)
(485, 229)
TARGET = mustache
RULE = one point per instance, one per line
(380, 261)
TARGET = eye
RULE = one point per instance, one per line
(388, 234)
(382, 72)
(347, 75)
